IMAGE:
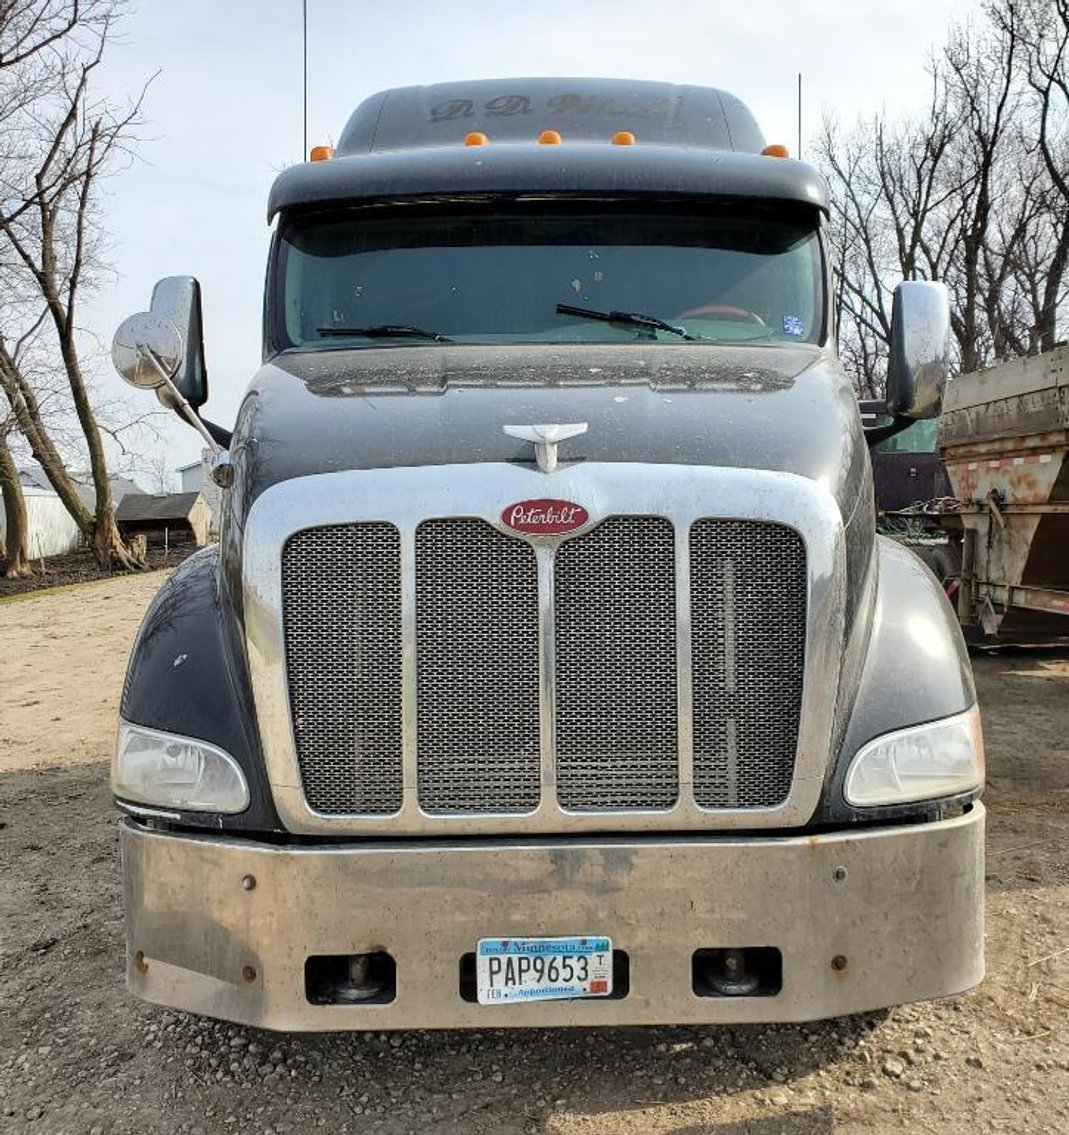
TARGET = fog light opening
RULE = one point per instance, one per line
(737, 971)
(351, 979)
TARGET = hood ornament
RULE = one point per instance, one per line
(546, 438)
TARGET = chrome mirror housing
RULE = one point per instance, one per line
(920, 344)
(146, 350)
(177, 298)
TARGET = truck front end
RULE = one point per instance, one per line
(549, 670)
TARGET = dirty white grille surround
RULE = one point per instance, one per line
(682, 495)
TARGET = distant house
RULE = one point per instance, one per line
(197, 478)
(52, 531)
(175, 518)
(120, 486)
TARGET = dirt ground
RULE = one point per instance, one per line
(79, 1056)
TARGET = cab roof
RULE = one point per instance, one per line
(582, 110)
(409, 142)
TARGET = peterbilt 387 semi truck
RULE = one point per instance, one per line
(549, 670)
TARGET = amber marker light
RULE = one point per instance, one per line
(550, 138)
(321, 153)
(476, 138)
(623, 138)
(776, 150)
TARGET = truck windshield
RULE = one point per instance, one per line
(539, 275)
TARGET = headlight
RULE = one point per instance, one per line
(942, 758)
(170, 771)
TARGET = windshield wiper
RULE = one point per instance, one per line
(385, 331)
(627, 318)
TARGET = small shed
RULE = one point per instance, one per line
(175, 518)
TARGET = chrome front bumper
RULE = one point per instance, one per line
(224, 926)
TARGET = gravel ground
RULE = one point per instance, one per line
(79, 1055)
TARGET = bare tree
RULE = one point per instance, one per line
(969, 193)
(1045, 38)
(15, 547)
(893, 188)
(56, 142)
(159, 471)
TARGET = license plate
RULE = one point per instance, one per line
(542, 969)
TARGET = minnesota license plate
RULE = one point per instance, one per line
(542, 969)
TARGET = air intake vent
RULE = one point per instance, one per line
(341, 591)
(748, 618)
(477, 659)
(617, 708)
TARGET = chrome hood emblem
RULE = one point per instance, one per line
(546, 438)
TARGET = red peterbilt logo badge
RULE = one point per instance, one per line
(544, 517)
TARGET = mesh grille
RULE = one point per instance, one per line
(748, 616)
(477, 652)
(342, 618)
(616, 667)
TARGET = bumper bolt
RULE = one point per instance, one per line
(838, 963)
(248, 973)
(248, 882)
(839, 874)
(139, 962)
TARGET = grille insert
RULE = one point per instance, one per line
(341, 607)
(616, 667)
(477, 658)
(748, 618)
(475, 729)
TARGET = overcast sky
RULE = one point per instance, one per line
(223, 115)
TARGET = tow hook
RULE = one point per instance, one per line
(731, 978)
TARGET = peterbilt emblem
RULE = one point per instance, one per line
(546, 438)
(544, 517)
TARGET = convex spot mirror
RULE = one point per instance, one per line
(176, 299)
(146, 350)
(920, 344)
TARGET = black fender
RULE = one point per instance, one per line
(187, 675)
(914, 669)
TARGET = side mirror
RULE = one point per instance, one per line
(920, 342)
(150, 352)
(147, 351)
(177, 298)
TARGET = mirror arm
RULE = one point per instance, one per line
(222, 466)
(180, 403)
(875, 434)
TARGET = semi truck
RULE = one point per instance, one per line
(549, 670)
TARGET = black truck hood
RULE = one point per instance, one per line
(782, 408)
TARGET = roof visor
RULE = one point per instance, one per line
(580, 169)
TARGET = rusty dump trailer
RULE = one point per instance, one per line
(1003, 436)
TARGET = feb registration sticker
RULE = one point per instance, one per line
(542, 969)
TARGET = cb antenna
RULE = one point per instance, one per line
(799, 115)
(304, 79)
